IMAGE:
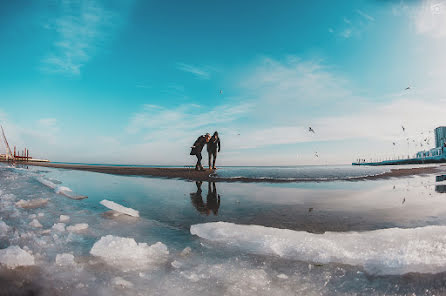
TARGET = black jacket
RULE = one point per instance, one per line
(213, 144)
(198, 145)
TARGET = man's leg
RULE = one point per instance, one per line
(199, 161)
(209, 156)
(215, 157)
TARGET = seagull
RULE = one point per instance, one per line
(407, 88)
(221, 91)
(310, 209)
(404, 129)
(393, 143)
(404, 200)
(311, 130)
(315, 154)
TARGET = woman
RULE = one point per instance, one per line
(197, 148)
(213, 146)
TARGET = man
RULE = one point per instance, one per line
(197, 148)
(212, 146)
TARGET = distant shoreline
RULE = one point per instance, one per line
(207, 175)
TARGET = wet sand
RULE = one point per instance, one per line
(207, 175)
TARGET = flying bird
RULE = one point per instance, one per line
(407, 88)
(311, 130)
(404, 200)
(404, 129)
(315, 154)
(221, 91)
(393, 143)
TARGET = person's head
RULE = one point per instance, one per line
(215, 135)
(208, 137)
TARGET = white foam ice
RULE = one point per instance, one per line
(64, 218)
(127, 254)
(65, 259)
(14, 256)
(3, 228)
(119, 208)
(77, 227)
(63, 190)
(384, 251)
(120, 282)
(59, 227)
(35, 223)
(32, 203)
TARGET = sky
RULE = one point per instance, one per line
(136, 82)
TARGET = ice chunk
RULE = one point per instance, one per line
(32, 203)
(40, 214)
(14, 256)
(77, 227)
(59, 227)
(35, 223)
(47, 183)
(63, 190)
(119, 281)
(186, 252)
(176, 264)
(384, 251)
(282, 276)
(125, 253)
(64, 218)
(32, 216)
(65, 259)
(119, 208)
(3, 228)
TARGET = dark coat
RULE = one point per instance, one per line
(198, 145)
(213, 144)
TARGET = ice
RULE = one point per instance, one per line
(35, 223)
(282, 276)
(14, 256)
(32, 203)
(119, 208)
(384, 251)
(186, 252)
(40, 214)
(120, 282)
(59, 227)
(127, 254)
(3, 228)
(77, 227)
(176, 264)
(63, 190)
(32, 216)
(64, 218)
(65, 259)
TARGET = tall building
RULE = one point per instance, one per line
(440, 136)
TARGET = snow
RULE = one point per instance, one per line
(35, 223)
(3, 228)
(127, 254)
(77, 227)
(14, 256)
(384, 251)
(32, 203)
(64, 218)
(119, 208)
(120, 282)
(65, 259)
(59, 227)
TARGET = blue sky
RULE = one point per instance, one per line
(138, 81)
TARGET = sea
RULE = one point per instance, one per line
(326, 231)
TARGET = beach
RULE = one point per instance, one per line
(186, 173)
(132, 235)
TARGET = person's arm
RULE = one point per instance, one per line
(219, 145)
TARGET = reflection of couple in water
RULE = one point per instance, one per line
(213, 145)
(212, 199)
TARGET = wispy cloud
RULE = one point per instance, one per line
(430, 18)
(365, 15)
(199, 72)
(81, 28)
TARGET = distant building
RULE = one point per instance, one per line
(440, 136)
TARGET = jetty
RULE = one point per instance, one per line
(16, 156)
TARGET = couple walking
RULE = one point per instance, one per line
(213, 145)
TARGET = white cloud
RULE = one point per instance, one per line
(365, 15)
(431, 19)
(81, 28)
(199, 72)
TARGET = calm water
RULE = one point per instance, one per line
(339, 237)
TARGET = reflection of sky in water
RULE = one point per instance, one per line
(169, 207)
